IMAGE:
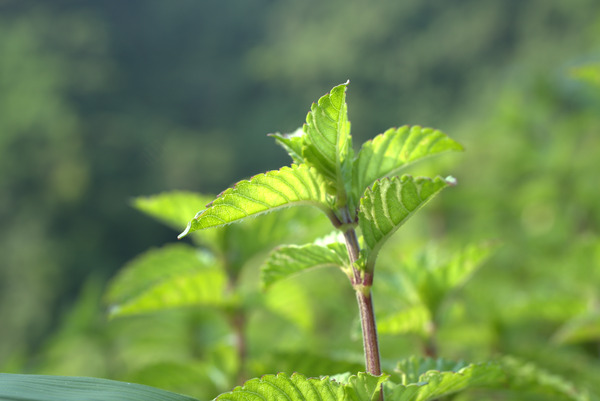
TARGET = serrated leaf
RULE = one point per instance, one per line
(172, 208)
(364, 386)
(395, 149)
(288, 260)
(19, 387)
(329, 145)
(281, 387)
(172, 276)
(389, 204)
(292, 143)
(432, 384)
(295, 185)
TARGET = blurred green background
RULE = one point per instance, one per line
(101, 101)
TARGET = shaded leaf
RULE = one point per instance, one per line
(285, 261)
(389, 204)
(292, 143)
(172, 276)
(18, 387)
(396, 148)
(426, 379)
(364, 386)
(581, 328)
(415, 319)
(295, 185)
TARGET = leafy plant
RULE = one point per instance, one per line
(365, 202)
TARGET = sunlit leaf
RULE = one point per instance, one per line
(287, 260)
(329, 144)
(17, 387)
(296, 185)
(396, 148)
(389, 203)
(172, 276)
(282, 387)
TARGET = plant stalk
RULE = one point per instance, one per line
(362, 282)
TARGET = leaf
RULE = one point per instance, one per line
(329, 144)
(295, 185)
(364, 386)
(528, 378)
(292, 143)
(395, 149)
(172, 208)
(435, 283)
(584, 327)
(428, 379)
(285, 261)
(389, 203)
(281, 387)
(172, 276)
(589, 73)
(415, 319)
(19, 387)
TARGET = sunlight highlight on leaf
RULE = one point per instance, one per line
(395, 149)
(295, 185)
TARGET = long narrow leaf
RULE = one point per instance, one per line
(18, 387)
(389, 204)
(295, 185)
(396, 148)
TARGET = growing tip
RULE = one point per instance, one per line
(186, 231)
(451, 181)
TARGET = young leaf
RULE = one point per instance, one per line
(295, 185)
(389, 203)
(172, 276)
(285, 261)
(396, 148)
(292, 143)
(281, 387)
(21, 387)
(329, 144)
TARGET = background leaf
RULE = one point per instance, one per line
(296, 185)
(16, 387)
(395, 149)
(172, 208)
(172, 276)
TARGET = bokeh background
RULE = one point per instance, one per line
(102, 101)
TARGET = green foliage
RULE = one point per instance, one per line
(15, 387)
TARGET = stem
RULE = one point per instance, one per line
(362, 282)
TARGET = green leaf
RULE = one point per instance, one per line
(584, 327)
(285, 261)
(415, 319)
(172, 276)
(396, 148)
(329, 144)
(427, 379)
(295, 185)
(589, 73)
(172, 208)
(389, 204)
(435, 283)
(18, 387)
(281, 387)
(292, 143)
(364, 387)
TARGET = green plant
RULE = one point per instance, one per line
(365, 203)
